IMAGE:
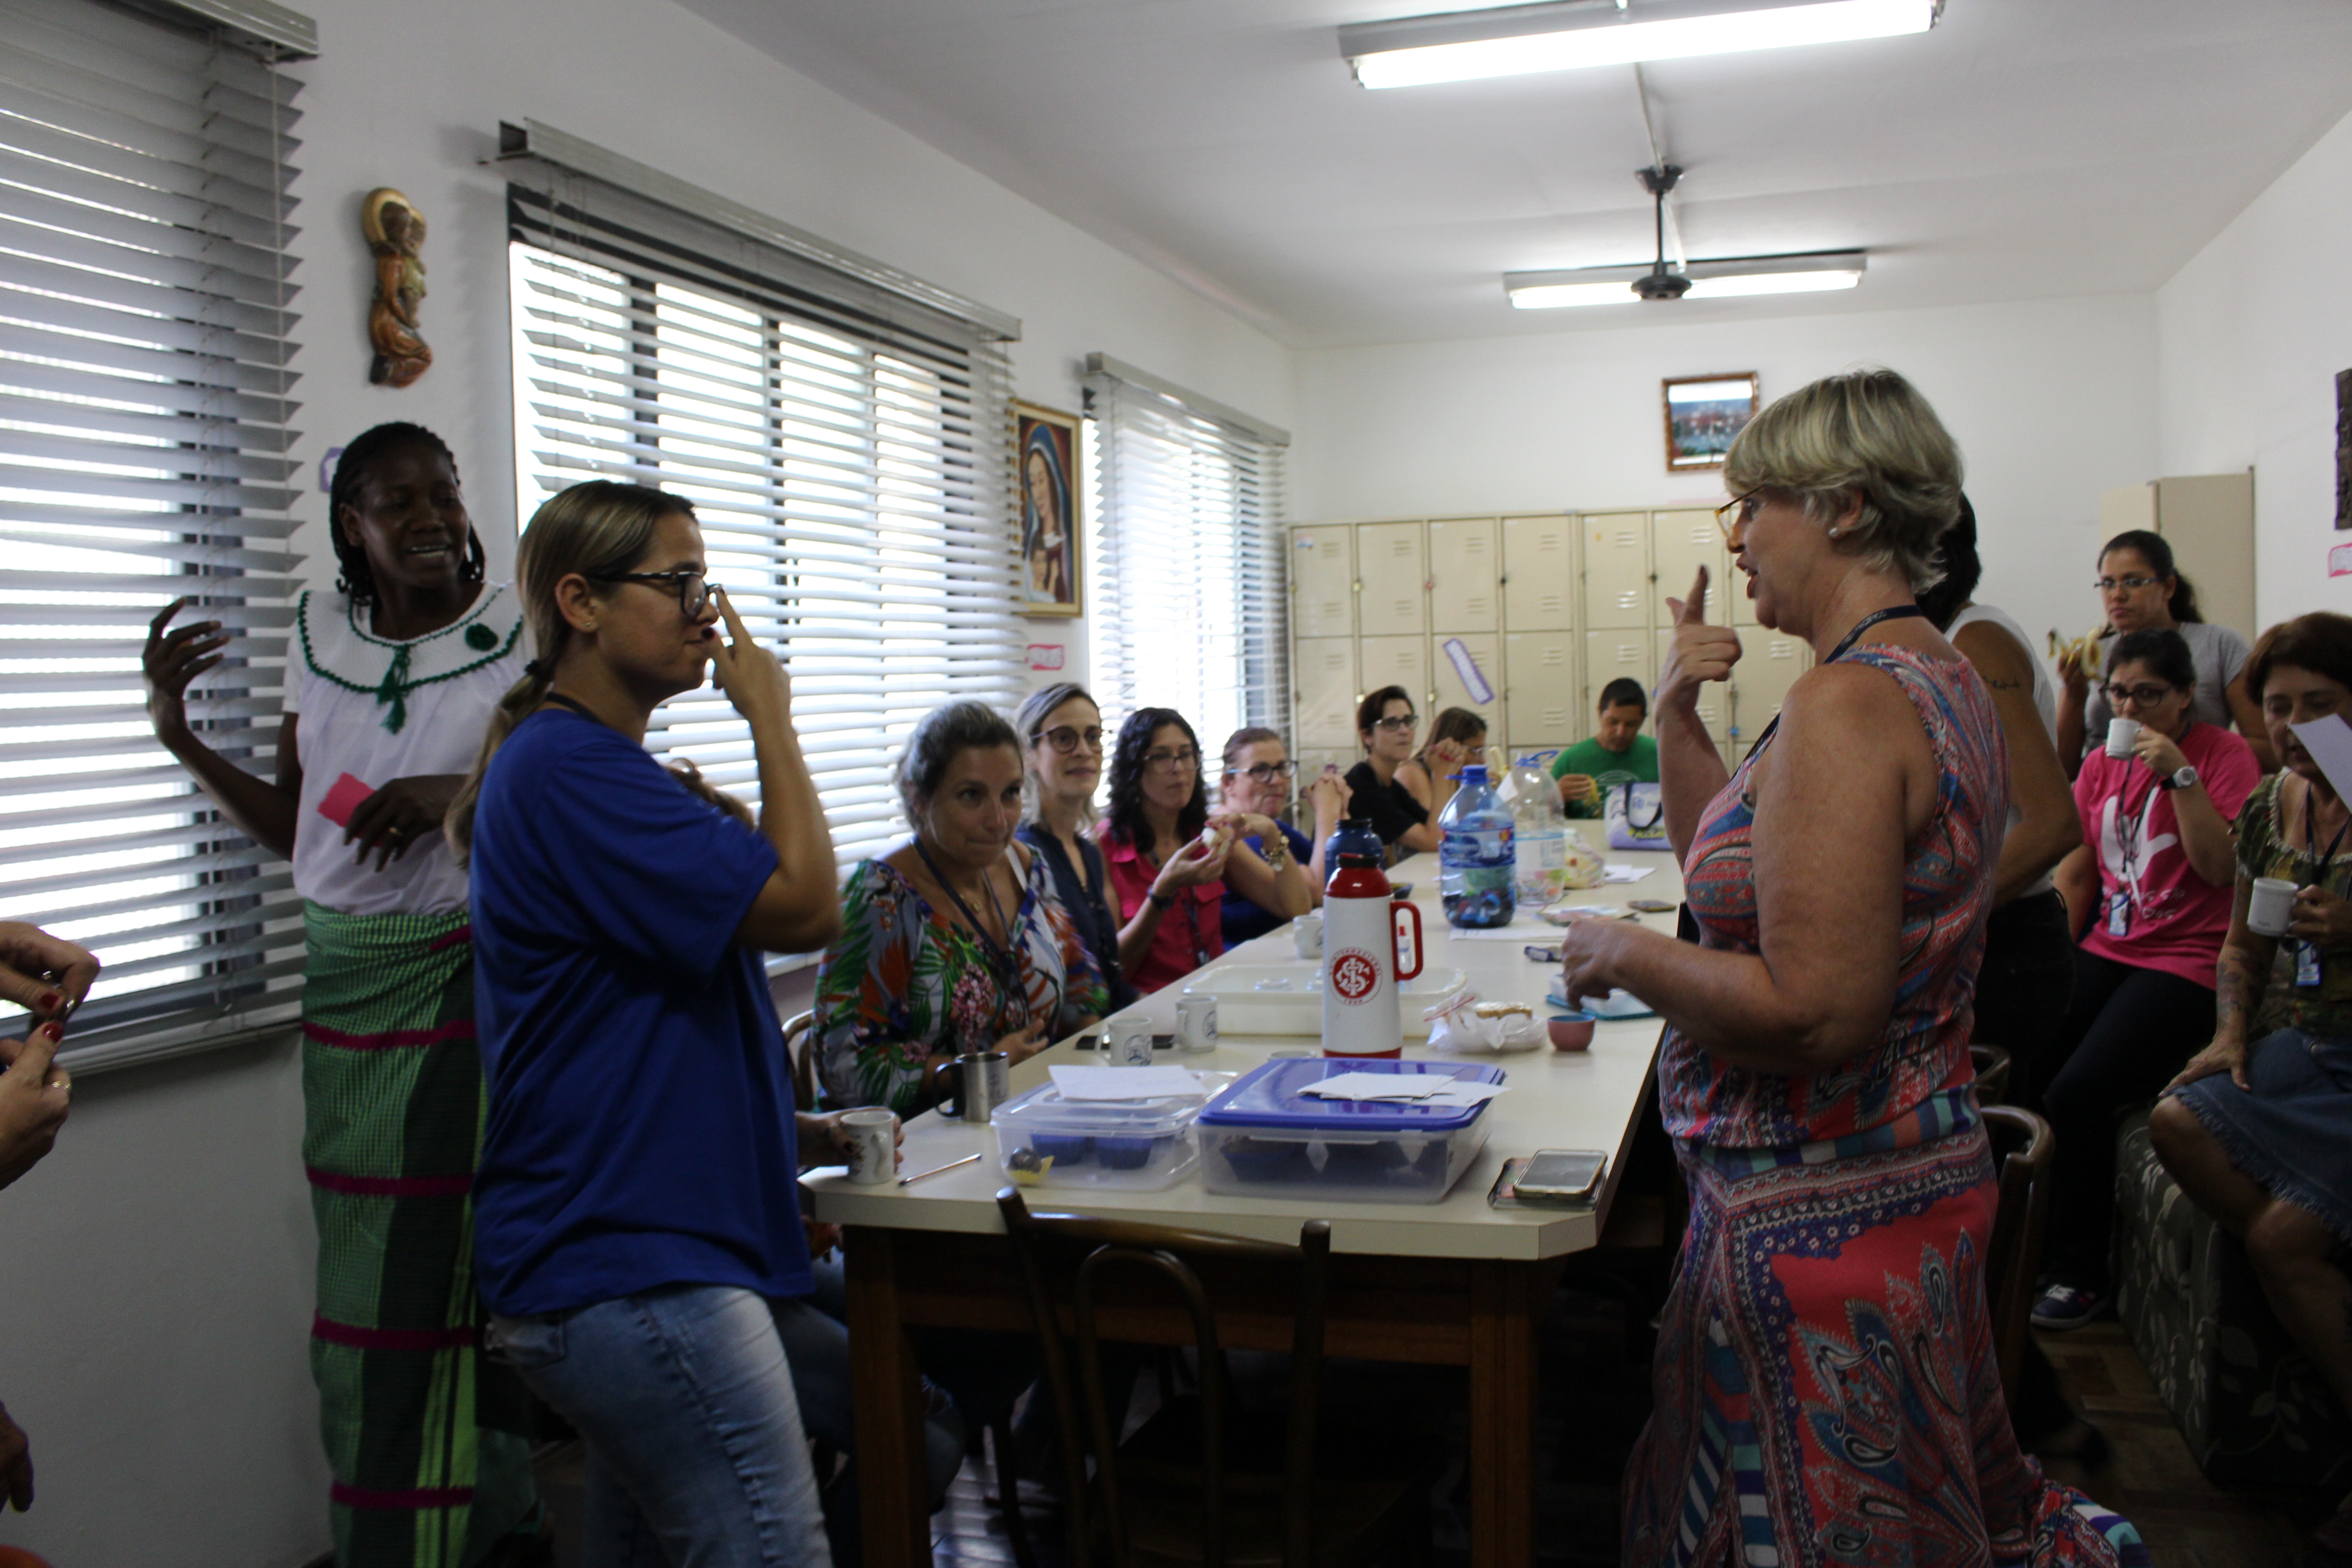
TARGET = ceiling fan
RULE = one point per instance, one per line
(1661, 282)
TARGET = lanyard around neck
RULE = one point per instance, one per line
(2311, 838)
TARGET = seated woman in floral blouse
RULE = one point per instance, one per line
(955, 941)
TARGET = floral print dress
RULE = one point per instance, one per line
(905, 983)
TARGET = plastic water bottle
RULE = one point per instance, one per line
(1354, 835)
(1539, 831)
(1476, 861)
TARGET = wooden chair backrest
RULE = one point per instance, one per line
(1041, 1242)
(800, 1052)
(2022, 1147)
(1993, 1071)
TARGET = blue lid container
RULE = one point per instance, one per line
(1262, 1136)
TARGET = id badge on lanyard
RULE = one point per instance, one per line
(2307, 964)
(2119, 914)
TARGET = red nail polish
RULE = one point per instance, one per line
(54, 1031)
(49, 1000)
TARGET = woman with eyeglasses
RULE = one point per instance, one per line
(2148, 894)
(2140, 591)
(1063, 730)
(637, 1222)
(1169, 859)
(1384, 726)
(1256, 783)
(957, 941)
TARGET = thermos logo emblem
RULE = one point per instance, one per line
(1354, 973)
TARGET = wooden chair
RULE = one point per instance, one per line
(2023, 1146)
(1198, 1483)
(800, 1050)
(1992, 1074)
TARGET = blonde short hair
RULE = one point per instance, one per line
(1866, 431)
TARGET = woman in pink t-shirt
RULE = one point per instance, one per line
(2149, 893)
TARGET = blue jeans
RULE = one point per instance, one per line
(696, 1456)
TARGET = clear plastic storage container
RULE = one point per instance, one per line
(1261, 1137)
(1140, 1146)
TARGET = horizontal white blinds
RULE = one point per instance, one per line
(143, 414)
(847, 451)
(1189, 584)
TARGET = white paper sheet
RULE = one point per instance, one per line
(1126, 1083)
(1376, 1086)
(2329, 742)
(1612, 872)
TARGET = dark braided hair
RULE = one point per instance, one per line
(352, 470)
(1127, 819)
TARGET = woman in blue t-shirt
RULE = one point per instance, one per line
(637, 1210)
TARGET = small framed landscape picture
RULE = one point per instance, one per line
(1047, 446)
(1702, 413)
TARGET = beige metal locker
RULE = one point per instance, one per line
(1323, 677)
(1608, 654)
(1390, 566)
(1543, 701)
(1729, 606)
(1540, 585)
(1770, 663)
(1680, 543)
(1483, 650)
(1323, 581)
(1463, 576)
(1616, 569)
(1394, 661)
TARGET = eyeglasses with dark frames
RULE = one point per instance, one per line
(1395, 722)
(1267, 772)
(1067, 740)
(2145, 696)
(1171, 762)
(1736, 513)
(693, 588)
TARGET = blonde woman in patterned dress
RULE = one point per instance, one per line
(955, 941)
(1826, 1386)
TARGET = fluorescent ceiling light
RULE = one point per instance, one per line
(1517, 40)
(1731, 277)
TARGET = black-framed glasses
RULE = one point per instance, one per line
(1173, 762)
(1065, 739)
(1736, 513)
(693, 588)
(2128, 584)
(1267, 772)
(1396, 722)
(2145, 696)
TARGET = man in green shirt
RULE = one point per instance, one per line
(1619, 753)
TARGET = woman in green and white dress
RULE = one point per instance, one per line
(389, 686)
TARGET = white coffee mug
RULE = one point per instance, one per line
(1196, 1023)
(873, 1146)
(2121, 735)
(1127, 1043)
(1306, 937)
(2269, 905)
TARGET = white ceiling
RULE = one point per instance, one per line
(2022, 149)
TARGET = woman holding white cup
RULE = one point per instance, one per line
(2259, 1135)
(2148, 895)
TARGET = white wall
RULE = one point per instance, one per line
(2052, 401)
(157, 1293)
(2250, 336)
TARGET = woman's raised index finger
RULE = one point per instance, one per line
(1695, 607)
(735, 629)
(163, 617)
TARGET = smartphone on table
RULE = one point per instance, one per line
(1560, 1174)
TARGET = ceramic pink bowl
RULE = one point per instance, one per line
(1573, 1033)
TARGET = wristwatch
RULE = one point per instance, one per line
(2184, 778)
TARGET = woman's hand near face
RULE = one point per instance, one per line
(1445, 759)
(753, 678)
(1201, 862)
(2159, 751)
(1327, 797)
(171, 662)
(1699, 652)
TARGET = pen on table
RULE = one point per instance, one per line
(935, 1170)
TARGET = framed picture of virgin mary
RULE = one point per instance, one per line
(1046, 446)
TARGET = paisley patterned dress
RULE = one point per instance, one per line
(1827, 1390)
(905, 982)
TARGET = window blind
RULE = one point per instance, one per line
(1190, 607)
(144, 439)
(848, 451)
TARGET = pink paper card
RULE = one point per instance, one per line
(344, 799)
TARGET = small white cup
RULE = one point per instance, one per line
(1306, 936)
(1196, 1023)
(2121, 735)
(873, 1146)
(2269, 905)
(1127, 1043)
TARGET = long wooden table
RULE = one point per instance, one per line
(1456, 1282)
